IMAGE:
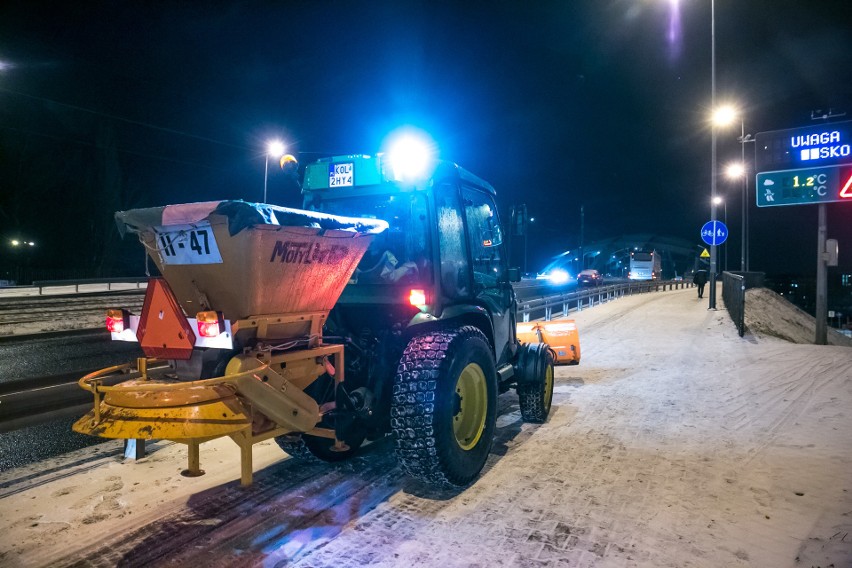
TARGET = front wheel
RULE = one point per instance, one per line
(535, 381)
(444, 406)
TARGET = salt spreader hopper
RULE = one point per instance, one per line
(232, 331)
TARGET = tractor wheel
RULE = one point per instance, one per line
(535, 381)
(307, 448)
(294, 445)
(444, 407)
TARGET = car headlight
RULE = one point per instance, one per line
(559, 276)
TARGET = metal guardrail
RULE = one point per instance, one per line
(586, 298)
(42, 284)
(733, 294)
(39, 287)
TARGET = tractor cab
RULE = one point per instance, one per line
(443, 255)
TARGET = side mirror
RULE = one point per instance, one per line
(514, 274)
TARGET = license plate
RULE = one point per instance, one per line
(341, 175)
(187, 244)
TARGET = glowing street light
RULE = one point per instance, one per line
(275, 148)
(735, 170)
(724, 115)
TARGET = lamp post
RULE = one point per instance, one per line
(712, 295)
(275, 148)
(744, 139)
(722, 116)
(720, 201)
(736, 171)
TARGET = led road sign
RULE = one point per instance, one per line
(811, 146)
(805, 185)
(804, 165)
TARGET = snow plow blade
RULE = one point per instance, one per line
(561, 335)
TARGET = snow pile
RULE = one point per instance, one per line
(768, 314)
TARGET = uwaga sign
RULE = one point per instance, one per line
(824, 145)
(294, 252)
(819, 146)
(804, 165)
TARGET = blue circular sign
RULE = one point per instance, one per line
(714, 233)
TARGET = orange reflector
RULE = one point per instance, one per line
(164, 332)
(417, 298)
(116, 320)
(210, 324)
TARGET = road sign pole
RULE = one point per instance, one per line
(713, 164)
(712, 295)
(822, 280)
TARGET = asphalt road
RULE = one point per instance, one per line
(47, 361)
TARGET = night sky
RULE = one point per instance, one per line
(599, 103)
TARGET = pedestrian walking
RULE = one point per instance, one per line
(700, 279)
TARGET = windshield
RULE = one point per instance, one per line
(643, 256)
(400, 255)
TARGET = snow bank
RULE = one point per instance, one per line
(769, 314)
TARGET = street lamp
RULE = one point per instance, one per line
(719, 201)
(722, 116)
(736, 171)
(745, 139)
(274, 148)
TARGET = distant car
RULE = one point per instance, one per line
(556, 276)
(589, 277)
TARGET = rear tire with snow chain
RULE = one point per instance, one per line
(444, 407)
(535, 381)
(308, 448)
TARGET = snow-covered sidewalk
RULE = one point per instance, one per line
(674, 443)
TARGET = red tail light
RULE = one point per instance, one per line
(117, 320)
(210, 324)
(417, 298)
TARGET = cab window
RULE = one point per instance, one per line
(400, 255)
(455, 272)
(485, 238)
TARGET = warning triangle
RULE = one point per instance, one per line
(705, 254)
(164, 332)
(847, 188)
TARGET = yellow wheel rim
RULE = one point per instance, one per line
(548, 387)
(472, 404)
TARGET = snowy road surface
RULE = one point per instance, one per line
(674, 443)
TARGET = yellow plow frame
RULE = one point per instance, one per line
(261, 396)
